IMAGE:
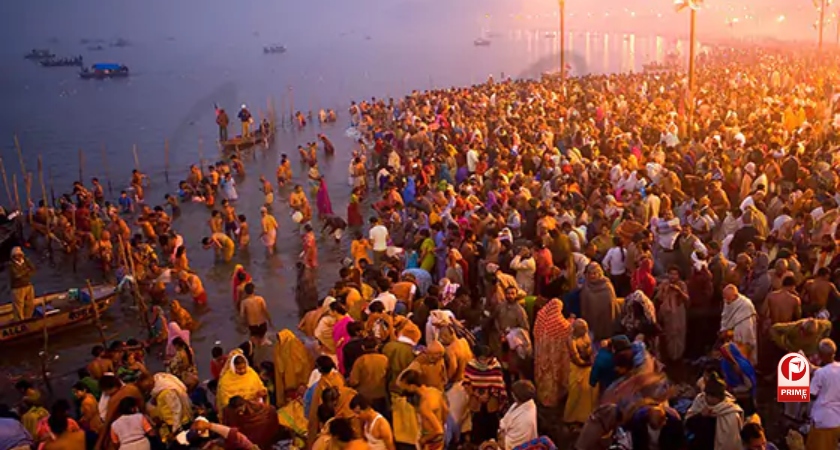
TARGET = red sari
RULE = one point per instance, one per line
(642, 279)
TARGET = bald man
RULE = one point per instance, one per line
(739, 317)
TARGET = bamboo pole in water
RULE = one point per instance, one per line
(17, 196)
(6, 181)
(166, 159)
(29, 205)
(20, 156)
(96, 319)
(107, 171)
(138, 297)
(201, 155)
(45, 353)
(52, 188)
(81, 166)
(136, 158)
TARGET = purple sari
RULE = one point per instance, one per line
(341, 337)
(324, 203)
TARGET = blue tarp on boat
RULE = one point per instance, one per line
(107, 66)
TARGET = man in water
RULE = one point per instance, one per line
(255, 313)
(222, 120)
(245, 117)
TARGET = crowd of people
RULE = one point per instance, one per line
(587, 263)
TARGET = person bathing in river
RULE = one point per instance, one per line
(222, 244)
(195, 286)
(334, 225)
(254, 311)
(284, 171)
(329, 148)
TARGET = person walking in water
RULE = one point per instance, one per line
(245, 118)
(222, 120)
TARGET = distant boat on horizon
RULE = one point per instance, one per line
(481, 42)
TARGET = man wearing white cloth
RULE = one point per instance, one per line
(739, 317)
(519, 425)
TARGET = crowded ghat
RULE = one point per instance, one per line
(591, 263)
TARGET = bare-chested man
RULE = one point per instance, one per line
(431, 410)
(255, 313)
(818, 291)
(783, 304)
(100, 364)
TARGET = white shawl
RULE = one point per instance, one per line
(519, 425)
(730, 419)
(740, 317)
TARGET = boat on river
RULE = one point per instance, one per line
(481, 42)
(63, 62)
(64, 310)
(273, 49)
(11, 233)
(102, 71)
(39, 53)
(263, 135)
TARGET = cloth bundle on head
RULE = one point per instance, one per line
(407, 330)
(519, 341)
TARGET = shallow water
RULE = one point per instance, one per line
(186, 56)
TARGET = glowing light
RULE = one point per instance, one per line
(781, 18)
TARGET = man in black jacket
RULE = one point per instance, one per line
(660, 424)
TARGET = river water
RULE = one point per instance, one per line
(185, 56)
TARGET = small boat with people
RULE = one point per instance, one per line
(39, 53)
(102, 71)
(63, 62)
(481, 42)
(264, 135)
(57, 311)
(273, 49)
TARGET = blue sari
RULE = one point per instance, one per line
(731, 353)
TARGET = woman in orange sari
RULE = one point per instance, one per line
(551, 353)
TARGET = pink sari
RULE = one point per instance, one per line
(341, 337)
(323, 200)
(175, 331)
(235, 283)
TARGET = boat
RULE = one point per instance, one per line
(102, 71)
(120, 42)
(96, 48)
(11, 233)
(271, 49)
(63, 62)
(64, 310)
(550, 34)
(39, 53)
(242, 143)
(481, 42)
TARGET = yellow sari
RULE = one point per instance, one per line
(248, 386)
(292, 365)
(582, 398)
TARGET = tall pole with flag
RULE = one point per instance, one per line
(693, 6)
(562, 4)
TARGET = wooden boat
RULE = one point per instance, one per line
(63, 312)
(39, 53)
(63, 62)
(11, 234)
(103, 71)
(271, 49)
(481, 42)
(242, 143)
